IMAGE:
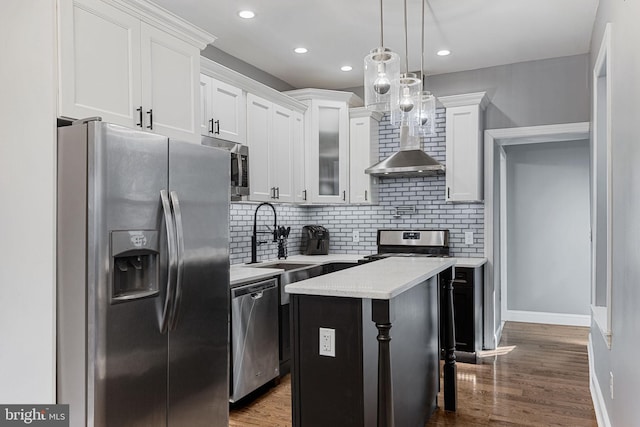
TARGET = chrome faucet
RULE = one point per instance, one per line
(254, 237)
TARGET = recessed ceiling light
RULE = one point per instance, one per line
(300, 50)
(444, 52)
(346, 68)
(246, 14)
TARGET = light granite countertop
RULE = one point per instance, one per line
(246, 273)
(383, 279)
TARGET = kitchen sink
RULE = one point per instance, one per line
(283, 265)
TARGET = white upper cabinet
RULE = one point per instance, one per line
(223, 110)
(299, 179)
(464, 148)
(271, 132)
(116, 65)
(363, 152)
(99, 50)
(170, 79)
(326, 143)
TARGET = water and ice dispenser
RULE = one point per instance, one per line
(135, 264)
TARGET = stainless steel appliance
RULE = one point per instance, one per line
(254, 337)
(315, 240)
(411, 242)
(239, 174)
(143, 279)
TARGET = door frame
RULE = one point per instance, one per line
(495, 208)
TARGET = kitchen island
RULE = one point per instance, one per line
(366, 348)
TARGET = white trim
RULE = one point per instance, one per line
(599, 406)
(599, 315)
(476, 98)
(164, 20)
(496, 139)
(363, 112)
(602, 68)
(547, 318)
(327, 95)
(229, 76)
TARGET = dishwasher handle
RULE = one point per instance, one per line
(254, 289)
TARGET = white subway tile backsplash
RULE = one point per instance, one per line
(426, 194)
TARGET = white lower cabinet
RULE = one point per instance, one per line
(271, 135)
(116, 66)
(363, 152)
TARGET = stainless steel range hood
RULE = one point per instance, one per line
(409, 161)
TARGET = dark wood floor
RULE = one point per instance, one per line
(539, 376)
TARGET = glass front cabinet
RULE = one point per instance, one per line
(327, 144)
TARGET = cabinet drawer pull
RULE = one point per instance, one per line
(211, 126)
(304, 195)
(139, 110)
(150, 113)
(344, 195)
(217, 122)
(365, 195)
(277, 192)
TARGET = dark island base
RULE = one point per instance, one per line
(343, 390)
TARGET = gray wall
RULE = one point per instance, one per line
(548, 257)
(530, 93)
(525, 94)
(223, 58)
(621, 359)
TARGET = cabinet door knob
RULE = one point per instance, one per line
(150, 113)
(139, 110)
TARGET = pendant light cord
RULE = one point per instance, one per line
(422, 40)
(406, 41)
(381, 27)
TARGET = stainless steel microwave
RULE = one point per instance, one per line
(239, 178)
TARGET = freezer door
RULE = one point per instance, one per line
(199, 328)
(125, 278)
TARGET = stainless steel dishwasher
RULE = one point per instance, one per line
(254, 337)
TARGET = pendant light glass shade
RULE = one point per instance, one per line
(426, 114)
(381, 76)
(405, 106)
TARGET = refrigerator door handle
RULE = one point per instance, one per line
(177, 214)
(172, 260)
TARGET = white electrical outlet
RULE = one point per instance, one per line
(468, 237)
(355, 236)
(327, 342)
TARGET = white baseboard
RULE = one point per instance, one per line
(547, 318)
(602, 416)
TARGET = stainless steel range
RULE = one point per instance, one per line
(411, 242)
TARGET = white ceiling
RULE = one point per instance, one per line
(479, 33)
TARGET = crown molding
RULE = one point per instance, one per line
(227, 75)
(359, 112)
(161, 18)
(325, 94)
(476, 98)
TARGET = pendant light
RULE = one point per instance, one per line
(427, 101)
(381, 75)
(404, 107)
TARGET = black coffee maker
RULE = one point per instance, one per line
(315, 240)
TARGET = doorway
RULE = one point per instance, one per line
(497, 302)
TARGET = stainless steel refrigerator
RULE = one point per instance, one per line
(142, 279)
